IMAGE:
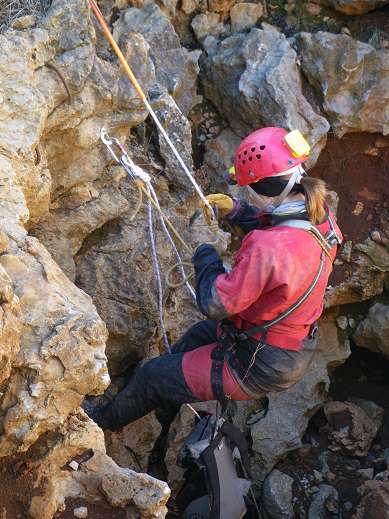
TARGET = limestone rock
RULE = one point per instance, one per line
(64, 231)
(317, 509)
(352, 429)
(367, 279)
(124, 487)
(178, 129)
(52, 339)
(351, 77)
(49, 297)
(245, 15)
(374, 502)
(254, 81)
(354, 7)
(81, 512)
(207, 25)
(126, 294)
(277, 495)
(176, 68)
(220, 6)
(81, 438)
(132, 445)
(373, 331)
(289, 411)
(188, 6)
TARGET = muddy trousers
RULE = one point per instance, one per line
(158, 383)
(166, 382)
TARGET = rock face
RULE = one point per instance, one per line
(352, 79)
(59, 94)
(373, 332)
(253, 80)
(176, 68)
(353, 7)
(54, 317)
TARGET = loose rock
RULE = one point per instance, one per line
(277, 495)
(351, 78)
(245, 15)
(352, 429)
(80, 512)
(326, 495)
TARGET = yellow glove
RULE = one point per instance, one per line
(223, 203)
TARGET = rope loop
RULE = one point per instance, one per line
(186, 278)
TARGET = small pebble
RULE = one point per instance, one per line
(203, 138)
(74, 465)
(345, 30)
(318, 476)
(313, 9)
(330, 476)
(358, 209)
(81, 512)
(342, 322)
(382, 476)
(332, 505)
(366, 473)
(348, 505)
(376, 236)
(352, 322)
(338, 262)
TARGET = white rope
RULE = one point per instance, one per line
(158, 278)
(157, 273)
(134, 171)
(178, 157)
(173, 246)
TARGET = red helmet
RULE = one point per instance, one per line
(267, 153)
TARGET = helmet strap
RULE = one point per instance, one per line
(294, 179)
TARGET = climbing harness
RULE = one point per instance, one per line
(231, 336)
(143, 98)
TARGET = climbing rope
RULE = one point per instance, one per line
(157, 273)
(143, 98)
(142, 179)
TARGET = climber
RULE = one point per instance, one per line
(260, 332)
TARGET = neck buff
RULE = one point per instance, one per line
(286, 211)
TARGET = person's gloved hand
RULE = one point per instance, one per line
(223, 203)
(202, 233)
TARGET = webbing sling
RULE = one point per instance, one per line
(230, 334)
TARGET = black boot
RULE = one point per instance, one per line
(93, 410)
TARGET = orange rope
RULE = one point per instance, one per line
(116, 48)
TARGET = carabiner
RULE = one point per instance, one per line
(105, 138)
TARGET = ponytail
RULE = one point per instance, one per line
(315, 191)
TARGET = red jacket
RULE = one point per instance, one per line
(272, 269)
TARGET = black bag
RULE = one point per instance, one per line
(217, 480)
